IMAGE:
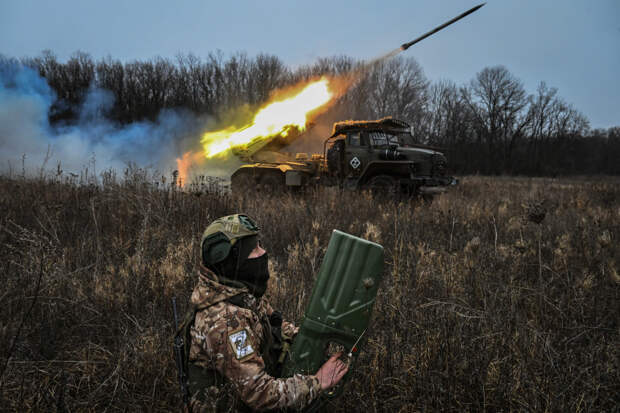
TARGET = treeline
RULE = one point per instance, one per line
(490, 125)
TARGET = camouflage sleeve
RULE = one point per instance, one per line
(236, 348)
(288, 328)
(265, 306)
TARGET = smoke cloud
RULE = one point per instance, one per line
(28, 140)
(93, 141)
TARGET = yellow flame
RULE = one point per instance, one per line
(273, 119)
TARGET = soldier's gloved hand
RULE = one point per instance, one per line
(332, 371)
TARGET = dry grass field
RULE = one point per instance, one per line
(502, 295)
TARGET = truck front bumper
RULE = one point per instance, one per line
(435, 181)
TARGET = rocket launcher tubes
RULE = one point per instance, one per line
(341, 303)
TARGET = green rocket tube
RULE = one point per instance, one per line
(341, 304)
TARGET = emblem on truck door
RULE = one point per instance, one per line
(355, 163)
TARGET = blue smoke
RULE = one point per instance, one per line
(27, 137)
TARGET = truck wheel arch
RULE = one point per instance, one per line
(393, 169)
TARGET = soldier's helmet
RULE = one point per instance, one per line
(232, 235)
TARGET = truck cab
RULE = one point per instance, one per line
(382, 155)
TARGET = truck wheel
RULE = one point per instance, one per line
(427, 199)
(382, 184)
(272, 183)
(242, 183)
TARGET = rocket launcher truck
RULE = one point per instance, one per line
(379, 155)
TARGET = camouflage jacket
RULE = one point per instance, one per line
(227, 340)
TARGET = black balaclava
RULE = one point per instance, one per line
(254, 274)
(237, 270)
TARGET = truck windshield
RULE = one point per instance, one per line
(382, 139)
(405, 139)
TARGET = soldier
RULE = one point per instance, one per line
(236, 342)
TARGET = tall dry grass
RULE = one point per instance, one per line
(502, 295)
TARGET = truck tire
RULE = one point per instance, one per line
(427, 199)
(272, 183)
(382, 185)
(242, 183)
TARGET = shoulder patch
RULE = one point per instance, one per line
(240, 344)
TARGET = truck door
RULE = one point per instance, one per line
(356, 154)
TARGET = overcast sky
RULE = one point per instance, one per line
(573, 45)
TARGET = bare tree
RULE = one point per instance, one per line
(110, 75)
(267, 73)
(398, 88)
(497, 100)
(449, 116)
